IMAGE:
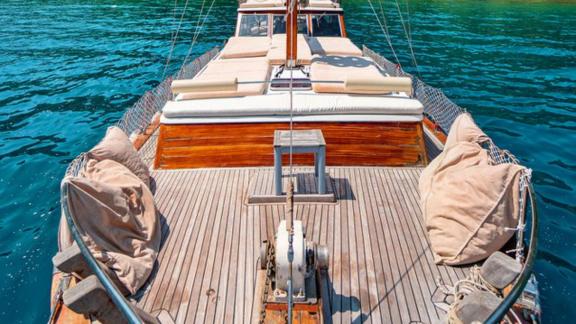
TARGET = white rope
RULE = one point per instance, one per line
(384, 30)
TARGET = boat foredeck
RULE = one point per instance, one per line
(381, 268)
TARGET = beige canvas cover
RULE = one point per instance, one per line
(115, 214)
(468, 202)
(117, 146)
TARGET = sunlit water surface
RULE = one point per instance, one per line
(70, 68)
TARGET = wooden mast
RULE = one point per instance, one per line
(291, 32)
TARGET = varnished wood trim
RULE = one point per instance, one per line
(343, 26)
(63, 314)
(241, 145)
(140, 139)
(435, 129)
(422, 144)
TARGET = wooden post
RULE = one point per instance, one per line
(291, 33)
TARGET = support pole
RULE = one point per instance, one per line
(291, 33)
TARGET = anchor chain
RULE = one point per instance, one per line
(270, 256)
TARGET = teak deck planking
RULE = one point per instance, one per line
(381, 267)
(247, 145)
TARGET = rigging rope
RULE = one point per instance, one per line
(408, 36)
(174, 18)
(198, 30)
(385, 31)
(175, 38)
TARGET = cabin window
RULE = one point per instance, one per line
(279, 24)
(326, 25)
(253, 25)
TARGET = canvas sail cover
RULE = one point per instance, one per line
(469, 203)
(115, 213)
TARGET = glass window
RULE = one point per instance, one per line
(253, 25)
(279, 24)
(326, 25)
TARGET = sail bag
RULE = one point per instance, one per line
(469, 202)
(117, 146)
(115, 214)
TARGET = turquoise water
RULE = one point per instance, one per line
(70, 68)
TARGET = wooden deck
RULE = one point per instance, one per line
(381, 268)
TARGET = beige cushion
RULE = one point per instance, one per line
(343, 68)
(323, 4)
(243, 47)
(355, 83)
(225, 84)
(467, 201)
(115, 214)
(255, 70)
(277, 53)
(262, 3)
(117, 147)
(333, 46)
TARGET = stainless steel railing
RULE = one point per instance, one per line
(526, 273)
(119, 300)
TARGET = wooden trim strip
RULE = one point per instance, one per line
(245, 145)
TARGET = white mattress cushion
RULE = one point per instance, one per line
(333, 46)
(277, 53)
(303, 104)
(243, 47)
(255, 70)
(345, 68)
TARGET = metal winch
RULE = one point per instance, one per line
(309, 264)
(308, 257)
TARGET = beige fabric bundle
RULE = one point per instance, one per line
(115, 214)
(467, 201)
(117, 146)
